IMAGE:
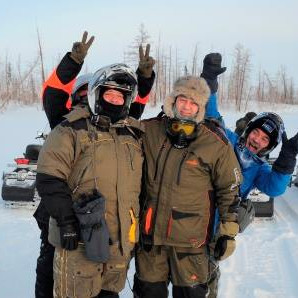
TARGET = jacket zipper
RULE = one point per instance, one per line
(180, 166)
(158, 158)
(130, 156)
(76, 188)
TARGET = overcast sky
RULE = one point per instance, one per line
(268, 28)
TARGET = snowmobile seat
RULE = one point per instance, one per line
(32, 152)
(264, 209)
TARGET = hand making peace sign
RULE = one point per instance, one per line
(146, 62)
(80, 48)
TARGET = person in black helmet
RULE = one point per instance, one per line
(258, 138)
(62, 91)
(89, 178)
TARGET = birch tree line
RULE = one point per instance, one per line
(235, 85)
(22, 85)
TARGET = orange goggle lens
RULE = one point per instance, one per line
(187, 128)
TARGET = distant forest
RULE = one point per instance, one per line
(22, 85)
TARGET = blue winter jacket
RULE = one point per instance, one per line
(256, 172)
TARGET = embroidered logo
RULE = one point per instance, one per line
(237, 179)
(192, 162)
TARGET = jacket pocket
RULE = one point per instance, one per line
(186, 227)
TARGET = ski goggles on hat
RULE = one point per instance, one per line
(187, 127)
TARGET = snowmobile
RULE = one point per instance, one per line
(263, 204)
(19, 185)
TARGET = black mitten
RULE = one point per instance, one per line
(224, 247)
(211, 69)
(286, 161)
(226, 244)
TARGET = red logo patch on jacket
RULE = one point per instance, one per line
(192, 162)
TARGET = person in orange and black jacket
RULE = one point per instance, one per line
(62, 90)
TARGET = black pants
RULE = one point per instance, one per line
(107, 294)
(44, 268)
(143, 289)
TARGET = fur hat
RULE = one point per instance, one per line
(191, 87)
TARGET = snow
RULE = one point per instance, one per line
(264, 265)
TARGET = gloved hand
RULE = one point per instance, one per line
(286, 161)
(211, 69)
(226, 244)
(242, 122)
(80, 48)
(69, 236)
(90, 211)
(246, 214)
(146, 62)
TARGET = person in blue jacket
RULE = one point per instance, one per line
(261, 135)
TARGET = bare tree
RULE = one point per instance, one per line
(132, 55)
(40, 56)
(239, 78)
(194, 67)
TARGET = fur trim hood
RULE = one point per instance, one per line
(191, 87)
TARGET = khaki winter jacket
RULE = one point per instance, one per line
(183, 186)
(109, 160)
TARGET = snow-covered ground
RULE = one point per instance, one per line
(265, 264)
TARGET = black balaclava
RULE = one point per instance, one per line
(114, 112)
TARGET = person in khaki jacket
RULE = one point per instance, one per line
(190, 171)
(89, 178)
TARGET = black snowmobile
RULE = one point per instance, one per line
(18, 188)
(263, 204)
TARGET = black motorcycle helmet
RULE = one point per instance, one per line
(271, 124)
(116, 76)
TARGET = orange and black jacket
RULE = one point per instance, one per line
(57, 89)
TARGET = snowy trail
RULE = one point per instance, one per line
(266, 260)
(265, 264)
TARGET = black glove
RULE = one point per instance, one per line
(224, 247)
(69, 236)
(80, 48)
(242, 122)
(286, 161)
(246, 214)
(146, 62)
(226, 244)
(211, 69)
